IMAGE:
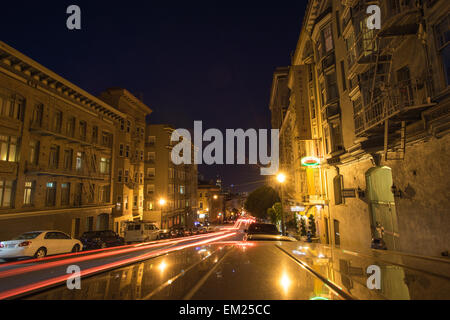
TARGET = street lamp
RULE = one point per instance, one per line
(281, 178)
(162, 203)
(216, 197)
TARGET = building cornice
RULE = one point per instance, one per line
(36, 75)
(26, 214)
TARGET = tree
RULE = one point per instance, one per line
(312, 225)
(260, 200)
(274, 213)
(292, 224)
(302, 227)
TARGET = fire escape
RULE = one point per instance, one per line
(389, 105)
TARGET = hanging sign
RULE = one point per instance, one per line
(310, 162)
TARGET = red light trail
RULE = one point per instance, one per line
(49, 282)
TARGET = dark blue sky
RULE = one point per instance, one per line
(209, 61)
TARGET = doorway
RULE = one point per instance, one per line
(382, 209)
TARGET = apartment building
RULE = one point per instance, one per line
(210, 202)
(378, 122)
(170, 190)
(56, 153)
(128, 192)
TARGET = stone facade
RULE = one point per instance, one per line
(379, 118)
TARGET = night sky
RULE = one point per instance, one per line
(190, 60)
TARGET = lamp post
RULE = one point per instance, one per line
(281, 178)
(162, 203)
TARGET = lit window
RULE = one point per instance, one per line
(8, 148)
(105, 165)
(28, 193)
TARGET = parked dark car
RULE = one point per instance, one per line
(165, 234)
(101, 239)
(195, 231)
(176, 232)
(187, 232)
(263, 228)
(202, 230)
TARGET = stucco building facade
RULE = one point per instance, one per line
(170, 190)
(57, 151)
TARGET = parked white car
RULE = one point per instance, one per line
(141, 232)
(38, 244)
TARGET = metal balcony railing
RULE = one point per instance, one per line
(401, 97)
(364, 46)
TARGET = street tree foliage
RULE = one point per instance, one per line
(260, 200)
(302, 227)
(274, 213)
(312, 225)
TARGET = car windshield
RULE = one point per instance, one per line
(28, 236)
(91, 234)
(133, 227)
(260, 228)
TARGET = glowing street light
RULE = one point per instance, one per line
(162, 202)
(216, 197)
(281, 177)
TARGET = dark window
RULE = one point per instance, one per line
(53, 158)
(70, 129)
(6, 193)
(38, 113)
(338, 183)
(57, 121)
(68, 155)
(104, 194)
(344, 80)
(50, 198)
(65, 194)
(83, 126)
(34, 152)
(332, 89)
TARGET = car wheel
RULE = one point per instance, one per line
(40, 253)
(76, 248)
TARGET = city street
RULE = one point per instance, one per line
(277, 153)
(23, 276)
(219, 266)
